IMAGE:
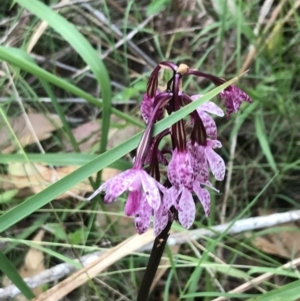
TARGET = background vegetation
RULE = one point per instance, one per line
(72, 76)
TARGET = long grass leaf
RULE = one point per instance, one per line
(69, 159)
(47, 195)
(263, 140)
(82, 47)
(18, 58)
(288, 292)
(10, 271)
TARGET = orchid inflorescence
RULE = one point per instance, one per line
(188, 160)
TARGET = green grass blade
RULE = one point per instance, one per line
(69, 159)
(217, 294)
(47, 195)
(61, 115)
(55, 103)
(6, 196)
(10, 271)
(36, 225)
(82, 47)
(263, 140)
(288, 292)
(17, 57)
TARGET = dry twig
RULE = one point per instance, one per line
(143, 243)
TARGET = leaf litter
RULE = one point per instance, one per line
(285, 242)
(43, 126)
(37, 177)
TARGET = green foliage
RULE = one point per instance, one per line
(266, 165)
(156, 6)
(10, 271)
(99, 163)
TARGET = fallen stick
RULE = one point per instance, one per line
(248, 224)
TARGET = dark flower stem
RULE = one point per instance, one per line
(154, 260)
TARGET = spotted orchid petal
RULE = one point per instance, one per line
(170, 197)
(208, 106)
(147, 106)
(216, 163)
(186, 208)
(203, 196)
(208, 121)
(150, 190)
(233, 97)
(161, 218)
(211, 107)
(143, 218)
(200, 164)
(180, 169)
(209, 124)
(139, 184)
(115, 186)
(133, 202)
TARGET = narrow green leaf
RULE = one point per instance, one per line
(13, 57)
(10, 271)
(242, 117)
(57, 106)
(263, 140)
(52, 253)
(29, 230)
(61, 115)
(216, 294)
(275, 271)
(7, 196)
(60, 159)
(288, 292)
(47, 195)
(156, 6)
(82, 47)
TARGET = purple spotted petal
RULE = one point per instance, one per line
(161, 217)
(203, 196)
(212, 108)
(147, 106)
(136, 183)
(196, 97)
(233, 97)
(170, 197)
(180, 169)
(200, 164)
(116, 186)
(133, 202)
(208, 106)
(132, 180)
(216, 163)
(150, 190)
(96, 192)
(142, 219)
(209, 124)
(208, 121)
(214, 143)
(208, 184)
(186, 209)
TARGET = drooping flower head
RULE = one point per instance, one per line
(167, 178)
